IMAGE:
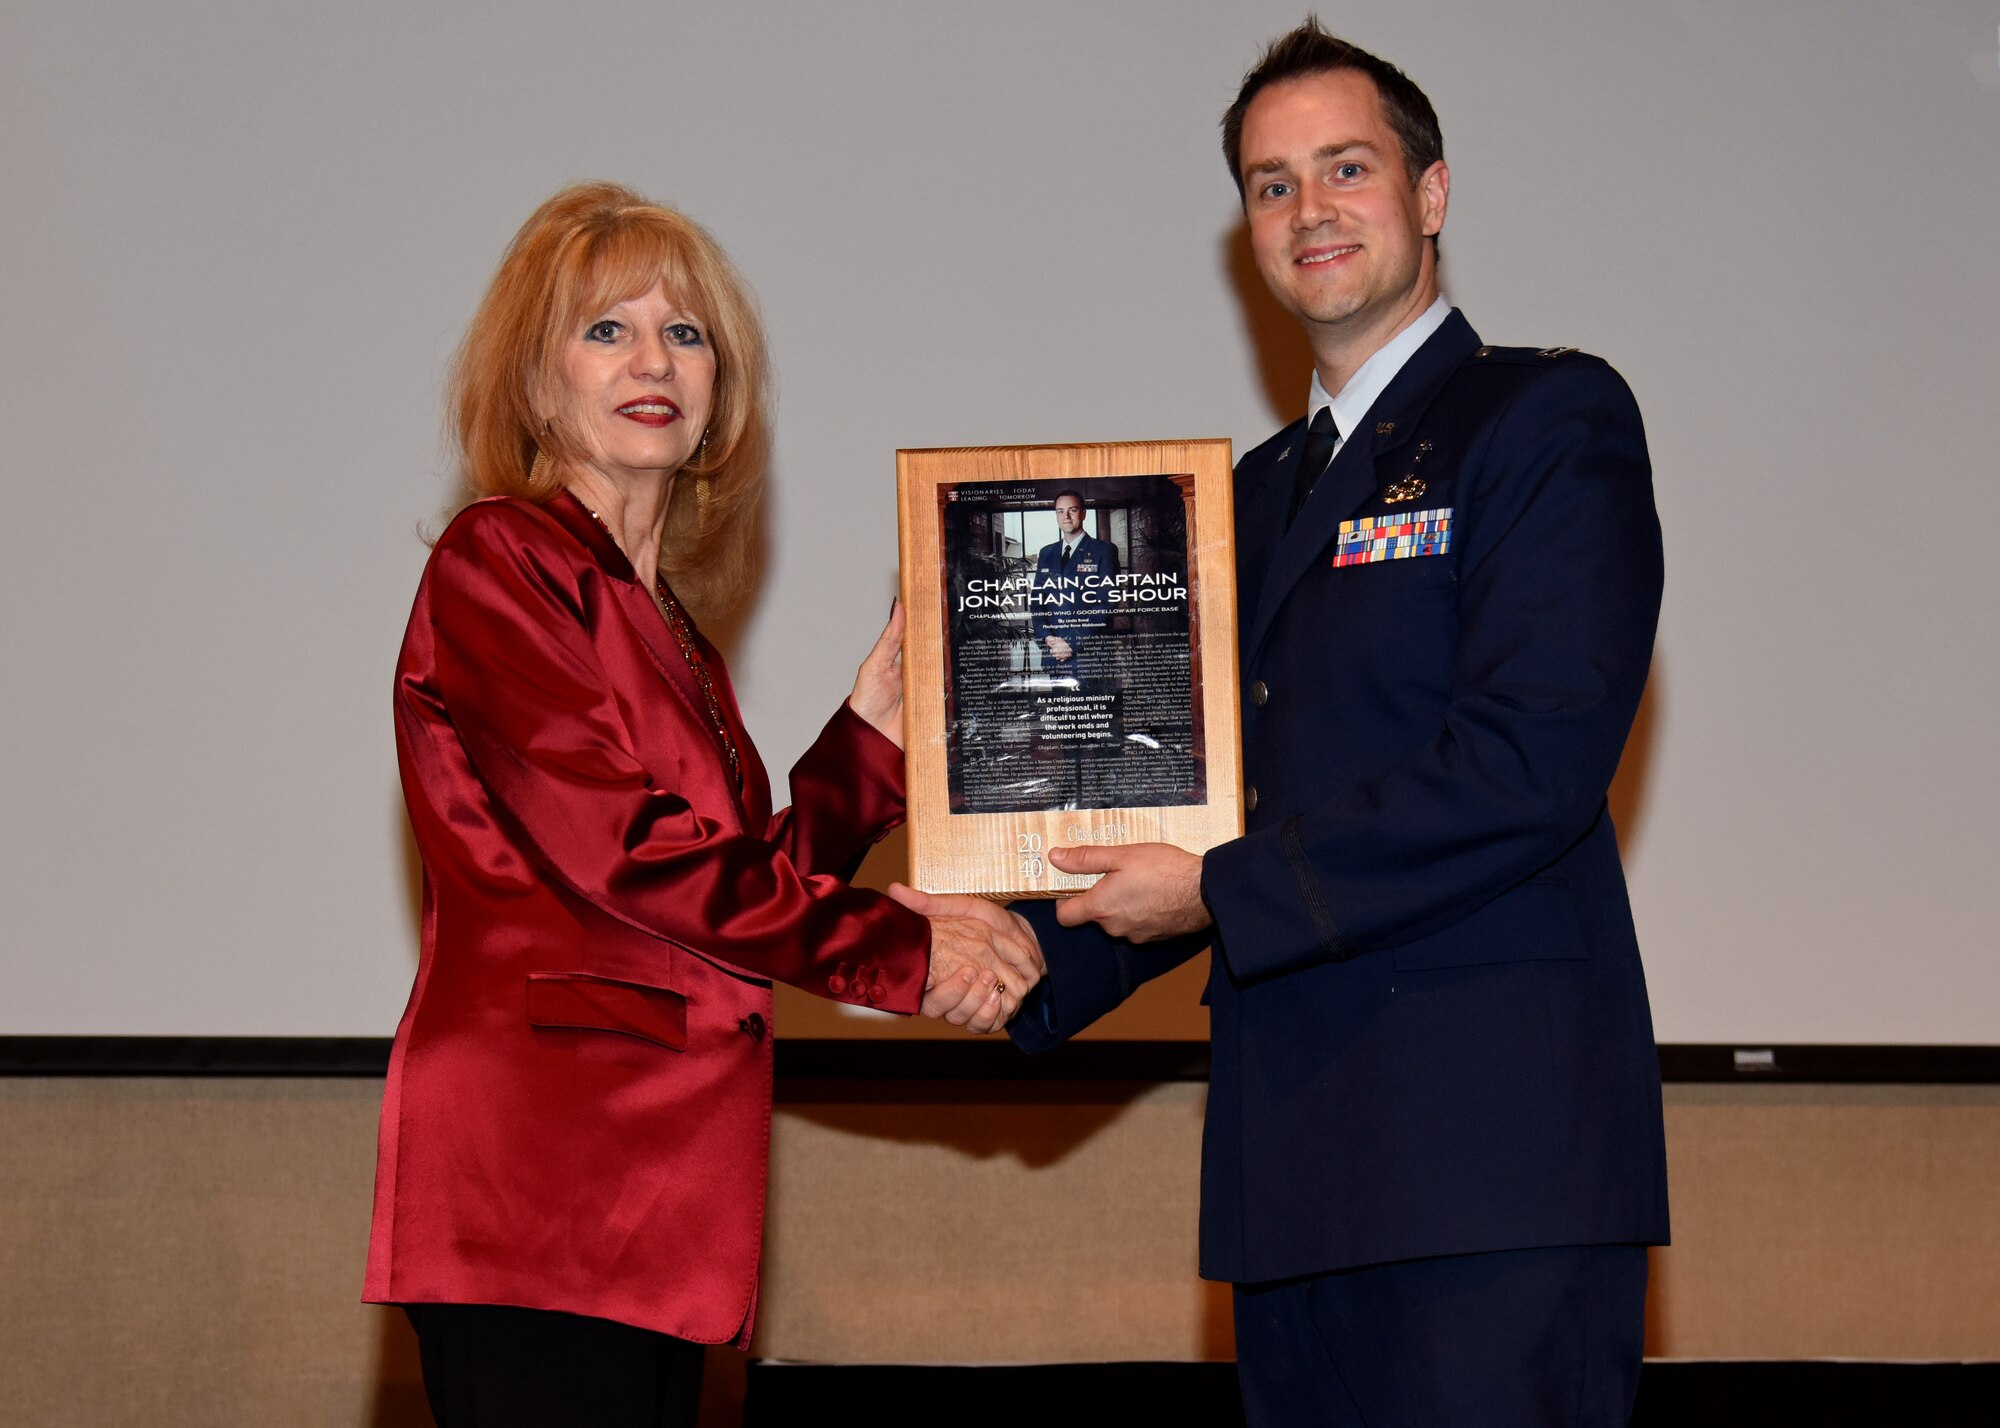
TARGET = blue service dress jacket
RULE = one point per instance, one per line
(1078, 608)
(1429, 1021)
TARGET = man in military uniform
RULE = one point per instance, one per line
(1071, 572)
(1433, 1154)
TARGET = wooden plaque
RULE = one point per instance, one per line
(1070, 657)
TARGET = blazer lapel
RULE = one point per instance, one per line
(1351, 479)
(1348, 482)
(1260, 512)
(636, 601)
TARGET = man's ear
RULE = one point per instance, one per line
(1434, 193)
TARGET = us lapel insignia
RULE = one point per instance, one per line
(1385, 428)
(1407, 489)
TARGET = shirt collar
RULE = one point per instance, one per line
(1377, 372)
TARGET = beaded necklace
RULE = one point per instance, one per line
(683, 632)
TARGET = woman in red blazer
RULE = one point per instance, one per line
(570, 1187)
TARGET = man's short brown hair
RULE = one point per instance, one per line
(1310, 50)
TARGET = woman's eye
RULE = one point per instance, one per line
(603, 330)
(685, 334)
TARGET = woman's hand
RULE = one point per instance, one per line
(984, 959)
(878, 684)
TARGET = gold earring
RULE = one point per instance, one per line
(701, 479)
(538, 470)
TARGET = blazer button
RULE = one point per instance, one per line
(1250, 799)
(837, 983)
(875, 992)
(1260, 694)
(752, 1026)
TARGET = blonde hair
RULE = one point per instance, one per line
(588, 247)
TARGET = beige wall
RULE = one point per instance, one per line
(1021, 230)
(1810, 1222)
(190, 1251)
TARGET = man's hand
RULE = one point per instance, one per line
(1059, 648)
(1148, 891)
(984, 959)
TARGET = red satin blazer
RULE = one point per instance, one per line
(578, 1107)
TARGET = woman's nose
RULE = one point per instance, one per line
(652, 357)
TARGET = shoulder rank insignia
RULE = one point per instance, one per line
(1399, 537)
(1528, 355)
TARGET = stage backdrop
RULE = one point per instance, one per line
(240, 242)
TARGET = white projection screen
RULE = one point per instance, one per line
(241, 240)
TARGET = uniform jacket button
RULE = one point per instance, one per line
(752, 1026)
(1260, 694)
(1250, 799)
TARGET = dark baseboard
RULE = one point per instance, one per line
(194, 1055)
(861, 1059)
(1672, 1394)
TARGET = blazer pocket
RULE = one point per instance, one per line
(1394, 577)
(1535, 922)
(578, 1001)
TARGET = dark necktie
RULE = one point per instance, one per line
(1321, 438)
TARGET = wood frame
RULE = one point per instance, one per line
(1003, 854)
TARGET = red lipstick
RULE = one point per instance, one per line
(650, 411)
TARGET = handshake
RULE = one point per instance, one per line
(984, 959)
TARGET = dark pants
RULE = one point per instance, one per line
(489, 1366)
(1543, 1338)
